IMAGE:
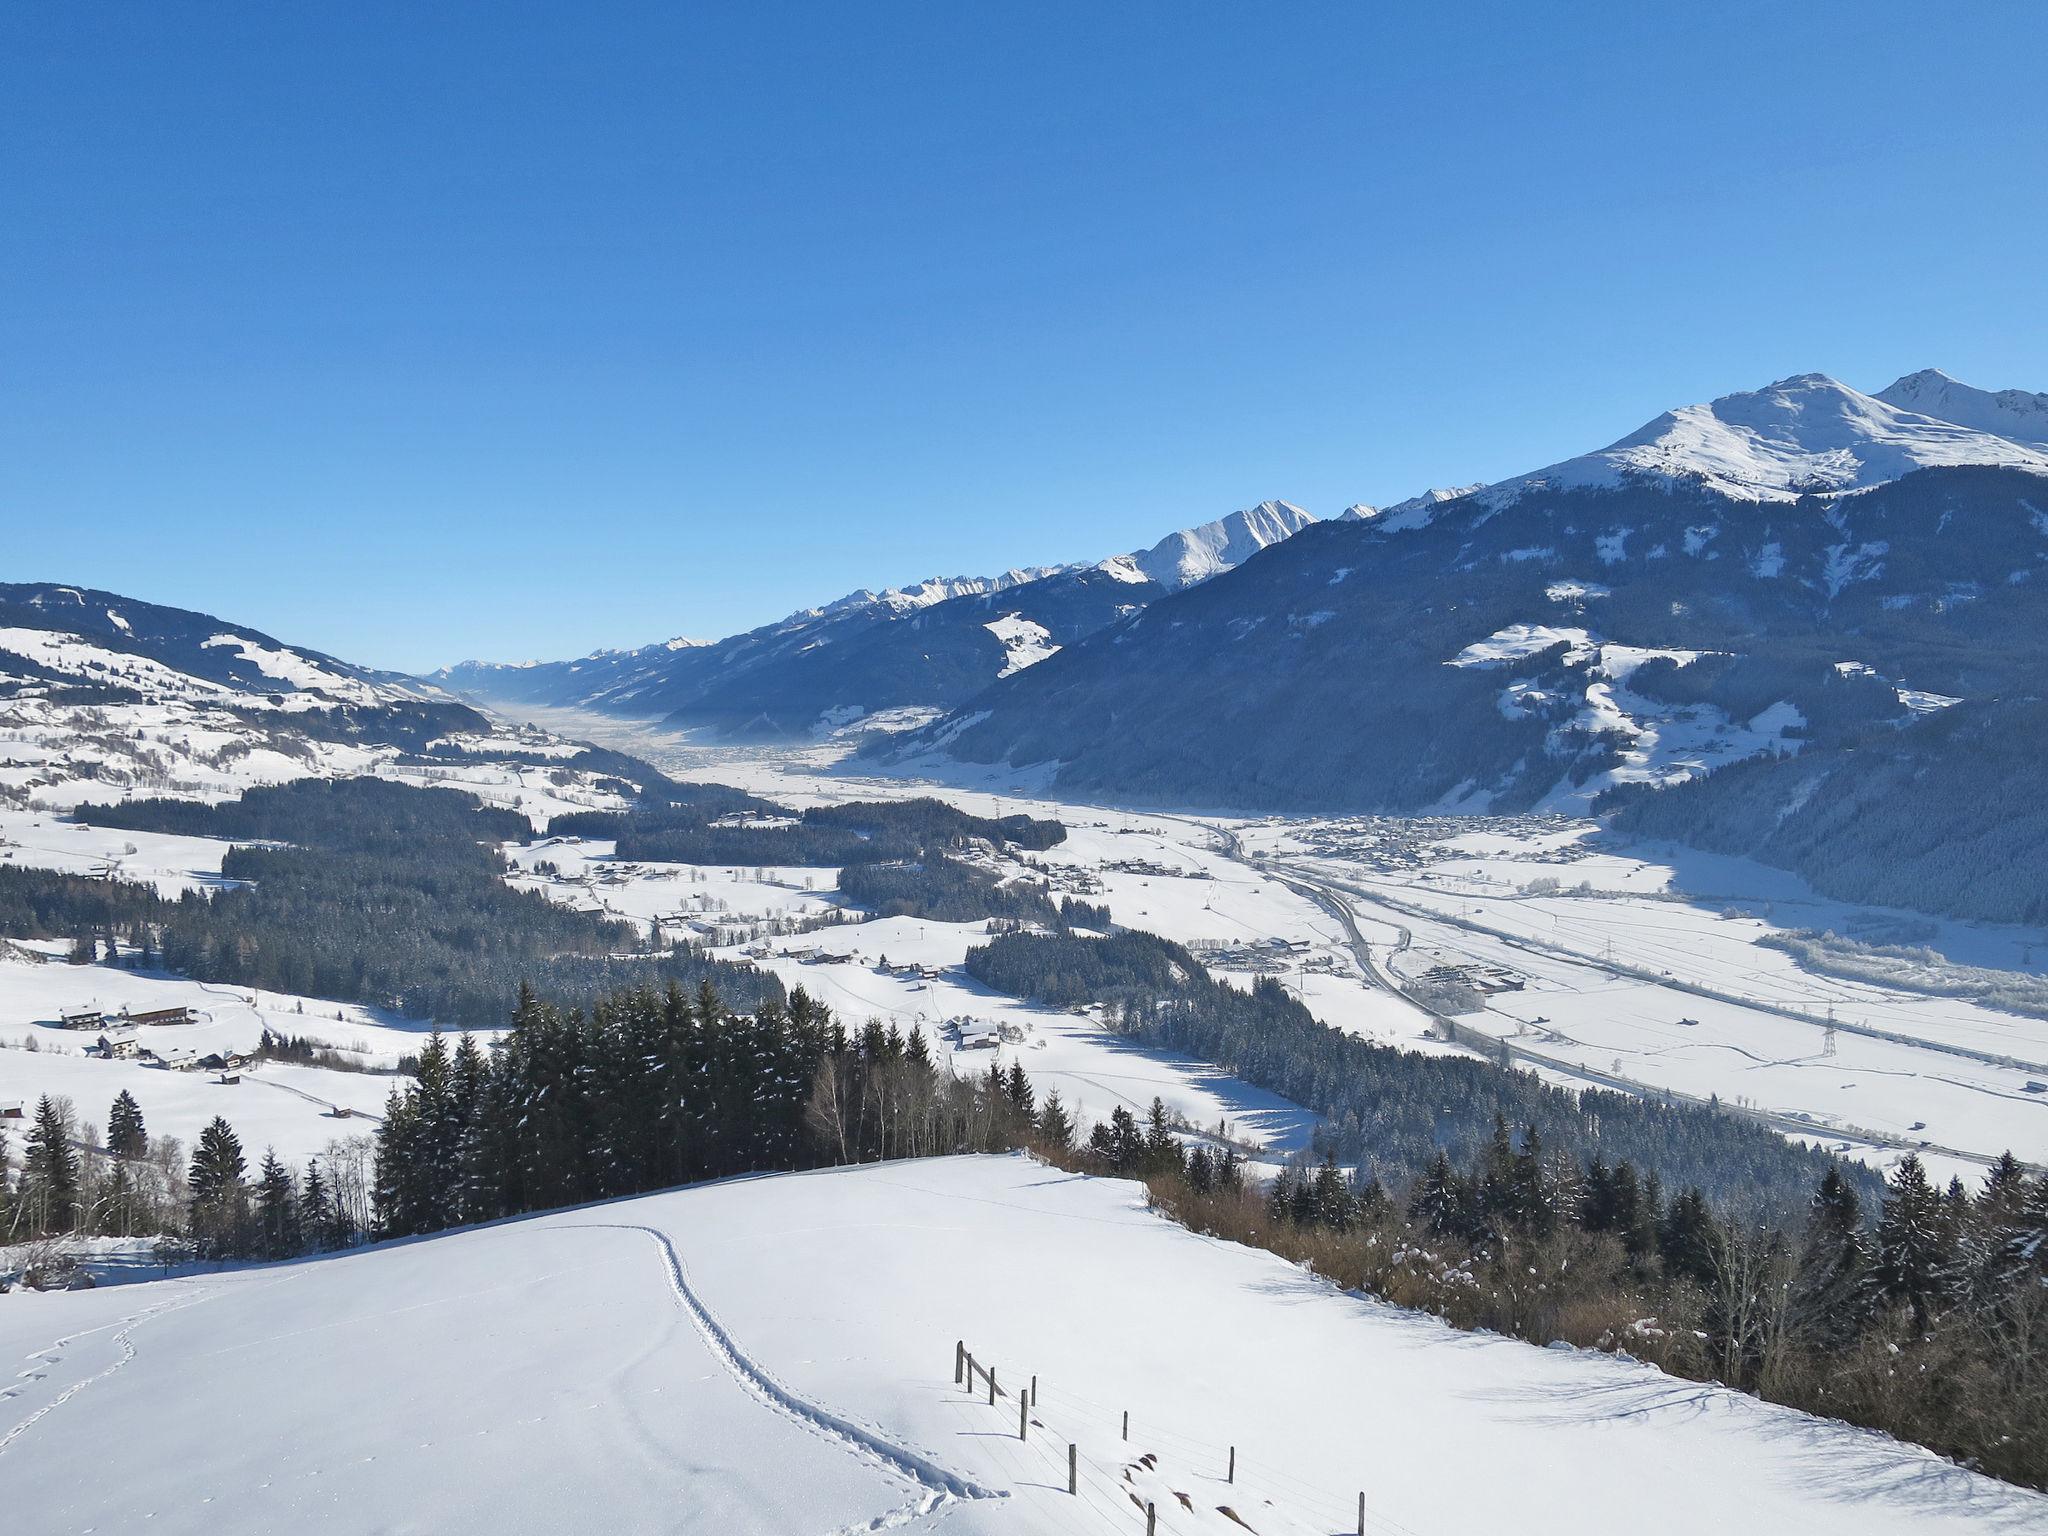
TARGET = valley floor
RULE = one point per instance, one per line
(775, 1356)
(1634, 966)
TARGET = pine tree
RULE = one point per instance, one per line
(277, 1209)
(1438, 1202)
(1332, 1197)
(126, 1136)
(1201, 1173)
(1830, 1280)
(49, 1170)
(1018, 1087)
(1688, 1240)
(1915, 1253)
(316, 1207)
(219, 1197)
(1055, 1128)
(1162, 1152)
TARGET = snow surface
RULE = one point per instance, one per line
(1195, 554)
(1026, 642)
(775, 1355)
(1809, 433)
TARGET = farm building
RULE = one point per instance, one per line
(973, 1034)
(181, 1014)
(85, 1016)
(120, 1045)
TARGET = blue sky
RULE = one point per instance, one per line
(415, 333)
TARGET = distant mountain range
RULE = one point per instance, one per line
(1805, 579)
(883, 661)
(1803, 623)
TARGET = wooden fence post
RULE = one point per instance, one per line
(1023, 1415)
(1231, 1476)
(1151, 1519)
(1034, 1389)
(1361, 1513)
(959, 1357)
(1073, 1469)
(991, 1387)
(970, 1370)
(1127, 1423)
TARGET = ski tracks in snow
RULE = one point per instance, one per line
(938, 1488)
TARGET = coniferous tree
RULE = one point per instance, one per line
(219, 1196)
(49, 1170)
(126, 1135)
(1687, 1239)
(277, 1210)
(1829, 1298)
(1914, 1256)
(316, 1208)
(1055, 1128)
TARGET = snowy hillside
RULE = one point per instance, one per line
(1811, 433)
(103, 696)
(776, 1355)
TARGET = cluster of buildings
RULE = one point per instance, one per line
(120, 1039)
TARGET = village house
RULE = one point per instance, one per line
(85, 1016)
(120, 1045)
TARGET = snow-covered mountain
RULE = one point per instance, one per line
(1195, 554)
(103, 696)
(883, 660)
(1643, 616)
(1811, 434)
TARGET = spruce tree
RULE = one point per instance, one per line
(49, 1170)
(316, 1207)
(219, 1197)
(1055, 1128)
(277, 1209)
(1828, 1301)
(126, 1136)
(1914, 1261)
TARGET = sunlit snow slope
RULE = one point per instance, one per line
(775, 1356)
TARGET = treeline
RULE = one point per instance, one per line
(823, 836)
(1392, 1111)
(130, 1183)
(1925, 1322)
(653, 1088)
(648, 1089)
(382, 893)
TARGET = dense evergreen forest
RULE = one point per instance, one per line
(384, 894)
(1391, 1111)
(824, 836)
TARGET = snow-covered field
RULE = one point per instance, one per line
(775, 1356)
(283, 1105)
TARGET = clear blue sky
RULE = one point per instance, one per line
(420, 332)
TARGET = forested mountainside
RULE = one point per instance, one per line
(1538, 650)
(867, 659)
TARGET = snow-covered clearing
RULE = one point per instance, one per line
(774, 1356)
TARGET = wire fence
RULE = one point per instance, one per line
(1141, 1476)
